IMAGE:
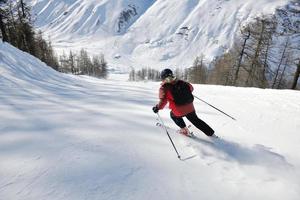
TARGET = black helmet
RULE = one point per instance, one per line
(166, 73)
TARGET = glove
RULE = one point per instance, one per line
(155, 109)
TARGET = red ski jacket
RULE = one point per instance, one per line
(165, 96)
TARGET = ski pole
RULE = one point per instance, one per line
(215, 108)
(162, 122)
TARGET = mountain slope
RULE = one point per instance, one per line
(147, 33)
(71, 137)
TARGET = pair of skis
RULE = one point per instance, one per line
(190, 133)
(161, 124)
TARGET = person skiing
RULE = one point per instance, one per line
(179, 95)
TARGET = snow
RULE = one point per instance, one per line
(162, 34)
(77, 137)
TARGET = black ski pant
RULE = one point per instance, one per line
(193, 118)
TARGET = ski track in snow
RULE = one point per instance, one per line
(69, 137)
(233, 152)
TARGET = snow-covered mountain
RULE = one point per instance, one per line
(152, 33)
(76, 137)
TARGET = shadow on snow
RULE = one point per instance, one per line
(231, 151)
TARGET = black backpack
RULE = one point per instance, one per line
(181, 93)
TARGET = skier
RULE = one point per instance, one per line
(179, 95)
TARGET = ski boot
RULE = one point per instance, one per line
(184, 131)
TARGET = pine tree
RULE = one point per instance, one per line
(256, 51)
(72, 61)
(246, 33)
(103, 64)
(255, 62)
(198, 72)
(3, 15)
(132, 75)
(282, 58)
(221, 72)
(296, 76)
(64, 63)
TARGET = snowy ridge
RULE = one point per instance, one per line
(74, 138)
(148, 33)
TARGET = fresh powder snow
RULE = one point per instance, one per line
(76, 137)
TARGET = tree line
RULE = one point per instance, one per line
(255, 61)
(144, 74)
(231, 69)
(264, 55)
(195, 74)
(83, 64)
(16, 28)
